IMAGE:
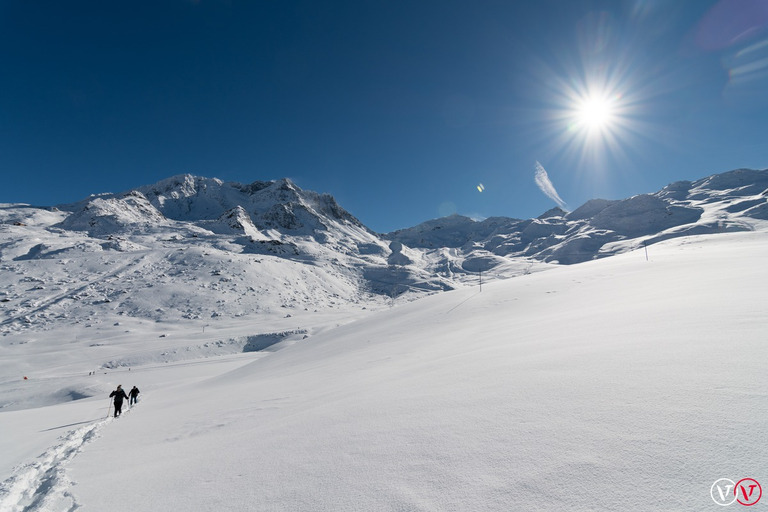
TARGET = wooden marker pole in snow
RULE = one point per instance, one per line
(645, 244)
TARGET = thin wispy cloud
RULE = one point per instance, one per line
(546, 186)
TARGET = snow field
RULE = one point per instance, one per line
(618, 384)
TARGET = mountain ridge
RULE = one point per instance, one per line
(200, 248)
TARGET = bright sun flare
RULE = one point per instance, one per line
(595, 113)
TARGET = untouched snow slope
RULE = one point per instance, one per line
(617, 384)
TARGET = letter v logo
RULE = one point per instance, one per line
(722, 492)
(748, 491)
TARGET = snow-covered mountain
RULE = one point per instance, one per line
(276, 374)
(721, 203)
(199, 249)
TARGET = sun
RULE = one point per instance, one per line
(595, 118)
(595, 112)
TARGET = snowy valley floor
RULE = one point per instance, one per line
(618, 384)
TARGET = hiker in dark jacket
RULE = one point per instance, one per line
(119, 394)
(134, 394)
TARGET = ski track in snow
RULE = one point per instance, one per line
(43, 485)
(50, 301)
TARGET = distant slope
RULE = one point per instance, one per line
(732, 201)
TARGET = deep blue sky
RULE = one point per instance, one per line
(399, 109)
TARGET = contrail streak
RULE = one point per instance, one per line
(546, 186)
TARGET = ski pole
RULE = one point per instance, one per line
(109, 406)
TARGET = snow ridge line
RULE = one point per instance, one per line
(42, 485)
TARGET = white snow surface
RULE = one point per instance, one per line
(624, 383)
